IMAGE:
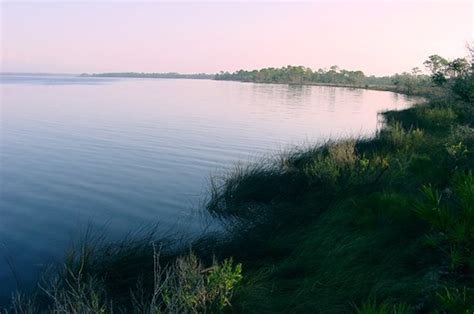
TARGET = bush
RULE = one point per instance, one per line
(184, 286)
(188, 287)
(400, 138)
(329, 165)
(464, 88)
(451, 216)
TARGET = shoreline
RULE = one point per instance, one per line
(341, 221)
(375, 87)
(382, 88)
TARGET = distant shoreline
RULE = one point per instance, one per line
(387, 88)
(205, 76)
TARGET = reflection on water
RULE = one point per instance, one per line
(124, 152)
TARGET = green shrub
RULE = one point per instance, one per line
(433, 211)
(188, 287)
(221, 282)
(402, 139)
(451, 217)
(336, 163)
(437, 117)
(463, 87)
(184, 286)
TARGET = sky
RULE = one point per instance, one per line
(377, 37)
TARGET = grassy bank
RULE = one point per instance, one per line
(384, 225)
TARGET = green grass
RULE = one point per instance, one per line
(388, 219)
(382, 225)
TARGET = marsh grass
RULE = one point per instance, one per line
(384, 219)
(183, 285)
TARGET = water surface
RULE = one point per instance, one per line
(79, 152)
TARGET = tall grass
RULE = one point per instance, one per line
(386, 219)
(182, 286)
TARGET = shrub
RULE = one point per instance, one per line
(328, 165)
(451, 217)
(402, 139)
(463, 87)
(436, 117)
(188, 287)
(433, 211)
(184, 286)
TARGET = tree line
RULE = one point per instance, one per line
(296, 75)
(441, 71)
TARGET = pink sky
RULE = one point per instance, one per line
(377, 37)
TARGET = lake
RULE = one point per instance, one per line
(79, 153)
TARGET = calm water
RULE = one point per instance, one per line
(78, 152)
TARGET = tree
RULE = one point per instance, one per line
(436, 64)
(463, 85)
(470, 49)
(438, 67)
(458, 67)
(415, 71)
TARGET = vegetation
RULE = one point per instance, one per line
(442, 71)
(297, 75)
(132, 277)
(409, 83)
(369, 226)
(384, 225)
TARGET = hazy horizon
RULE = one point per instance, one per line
(379, 38)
